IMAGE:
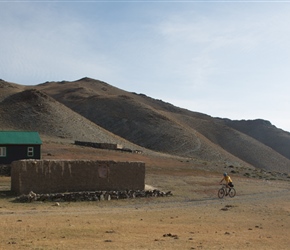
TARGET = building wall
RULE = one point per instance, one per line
(17, 152)
(52, 176)
(111, 146)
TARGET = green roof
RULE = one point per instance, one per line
(19, 137)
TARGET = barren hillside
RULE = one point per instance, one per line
(34, 110)
(264, 132)
(92, 110)
(163, 127)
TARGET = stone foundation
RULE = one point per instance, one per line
(52, 176)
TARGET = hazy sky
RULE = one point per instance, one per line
(227, 59)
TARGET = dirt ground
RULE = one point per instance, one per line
(193, 218)
(258, 217)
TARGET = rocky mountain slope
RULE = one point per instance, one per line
(264, 132)
(89, 109)
(31, 109)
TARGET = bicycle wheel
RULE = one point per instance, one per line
(221, 193)
(232, 193)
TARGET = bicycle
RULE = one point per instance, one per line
(223, 191)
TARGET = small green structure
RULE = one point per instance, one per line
(18, 145)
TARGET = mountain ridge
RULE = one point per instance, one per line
(136, 119)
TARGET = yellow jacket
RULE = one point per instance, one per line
(227, 179)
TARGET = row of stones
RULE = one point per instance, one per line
(91, 196)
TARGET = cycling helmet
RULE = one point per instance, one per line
(225, 174)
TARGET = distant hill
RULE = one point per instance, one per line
(34, 110)
(265, 132)
(89, 109)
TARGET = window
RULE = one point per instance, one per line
(30, 151)
(2, 151)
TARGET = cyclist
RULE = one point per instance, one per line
(228, 181)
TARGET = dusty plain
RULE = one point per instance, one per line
(193, 218)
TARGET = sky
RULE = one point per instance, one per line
(228, 59)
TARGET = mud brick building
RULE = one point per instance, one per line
(51, 176)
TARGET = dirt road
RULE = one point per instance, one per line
(193, 218)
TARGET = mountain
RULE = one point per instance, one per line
(264, 132)
(31, 109)
(8, 88)
(88, 109)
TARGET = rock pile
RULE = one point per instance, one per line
(92, 195)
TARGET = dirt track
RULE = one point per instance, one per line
(194, 218)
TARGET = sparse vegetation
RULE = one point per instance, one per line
(184, 152)
(91, 110)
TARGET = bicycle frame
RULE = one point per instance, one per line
(225, 190)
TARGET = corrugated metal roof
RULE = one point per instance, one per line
(19, 137)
